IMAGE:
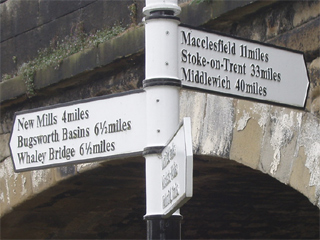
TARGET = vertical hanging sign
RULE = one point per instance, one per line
(177, 170)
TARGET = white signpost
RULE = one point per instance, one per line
(222, 64)
(140, 122)
(177, 170)
(89, 130)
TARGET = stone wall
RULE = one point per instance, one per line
(27, 26)
(282, 142)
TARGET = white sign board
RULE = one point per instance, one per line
(216, 63)
(82, 131)
(177, 170)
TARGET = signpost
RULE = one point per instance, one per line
(83, 131)
(177, 170)
(141, 122)
(232, 66)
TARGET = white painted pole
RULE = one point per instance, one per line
(162, 102)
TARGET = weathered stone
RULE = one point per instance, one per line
(64, 172)
(79, 65)
(12, 88)
(27, 27)
(212, 119)
(276, 21)
(50, 11)
(314, 75)
(6, 123)
(15, 188)
(83, 167)
(304, 38)
(309, 138)
(315, 106)
(248, 133)
(313, 103)
(17, 16)
(4, 147)
(42, 179)
(227, 22)
(193, 106)
(217, 126)
(300, 177)
(208, 10)
(279, 143)
(304, 11)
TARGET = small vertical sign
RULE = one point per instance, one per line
(176, 170)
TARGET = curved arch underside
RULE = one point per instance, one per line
(230, 201)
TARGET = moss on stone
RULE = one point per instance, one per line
(59, 50)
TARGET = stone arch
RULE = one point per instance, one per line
(279, 141)
(108, 202)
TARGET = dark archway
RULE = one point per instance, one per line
(230, 201)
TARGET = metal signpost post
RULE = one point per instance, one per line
(162, 87)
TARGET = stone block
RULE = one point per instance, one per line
(192, 104)
(279, 143)
(15, 187)
(304, 11)
(12, 88)
(313, 103)
(300, 177)
(102, 14)
(42, 179)
(83, 167)
(212, 121)
(6, 122)
(217, 126)
(17, 17)
(248, 133)
(4, 147)
(64, 172)
(309, 139)
(52, 10)
(304, 38)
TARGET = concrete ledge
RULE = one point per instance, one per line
(127, 44)
(12, 88)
